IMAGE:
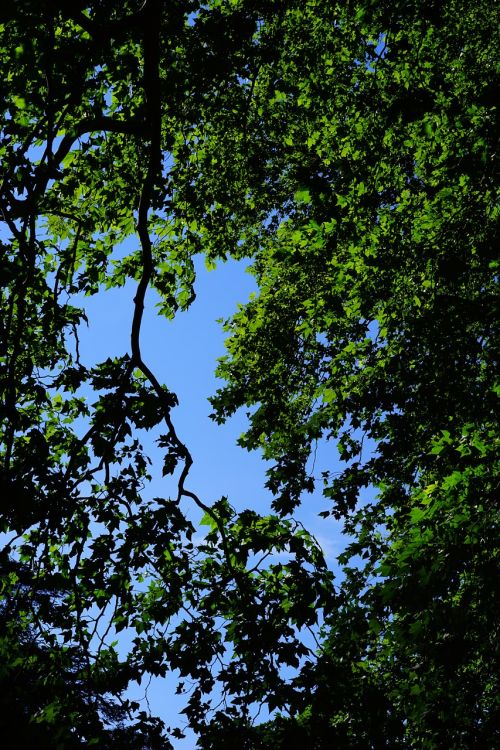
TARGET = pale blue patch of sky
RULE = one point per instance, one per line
(183, 355)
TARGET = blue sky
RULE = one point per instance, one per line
(183, 355)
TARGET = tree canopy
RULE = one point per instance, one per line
(349, 150)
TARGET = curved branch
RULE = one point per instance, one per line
(153, 109)
(152, 31)
(23, 208)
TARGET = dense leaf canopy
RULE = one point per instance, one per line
(349, 150)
